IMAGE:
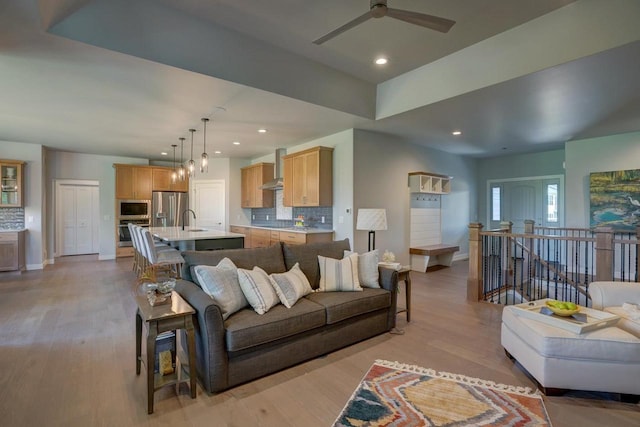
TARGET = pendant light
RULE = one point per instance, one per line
(204, 161)
(174, 173)
(191, 165)
(181, 172)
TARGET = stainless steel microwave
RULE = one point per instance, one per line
(134, 209)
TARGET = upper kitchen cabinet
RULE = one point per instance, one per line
(253, 177)
(133, 182)
(12, 183)
(162, 181)
(308, 177)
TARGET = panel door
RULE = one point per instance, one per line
(209, 204)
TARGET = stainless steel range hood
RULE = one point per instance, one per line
(277, 183)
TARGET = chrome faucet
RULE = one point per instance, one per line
(184, 212)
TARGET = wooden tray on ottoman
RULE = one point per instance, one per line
(596, 319)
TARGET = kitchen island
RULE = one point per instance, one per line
(198, 239)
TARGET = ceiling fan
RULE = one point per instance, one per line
(379, 9)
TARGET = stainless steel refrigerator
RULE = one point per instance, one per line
(167, 209)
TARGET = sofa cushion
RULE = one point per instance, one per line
(269, 259)
(628, 322)
(247, 329)
(343, 305)
(367, 268)
(339, 274)
(220, 282)
(256, 287)
(290, 286)
(307, 257)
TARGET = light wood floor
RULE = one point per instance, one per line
(67, 358)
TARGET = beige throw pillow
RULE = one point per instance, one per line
(291, 286)
(367, 268)
(257, 288)
(220, 282)
(339, 274)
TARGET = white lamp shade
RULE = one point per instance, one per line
(372, 219)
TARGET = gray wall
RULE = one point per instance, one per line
(381, 167)
(76, 166)
(610, 153)
(515, 166)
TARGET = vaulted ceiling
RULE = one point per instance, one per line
(129, 78)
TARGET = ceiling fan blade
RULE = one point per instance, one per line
(359, 20)
(429, 21)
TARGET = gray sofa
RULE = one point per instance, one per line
(247, 346)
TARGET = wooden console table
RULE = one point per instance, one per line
(404, 274)
(169, 317)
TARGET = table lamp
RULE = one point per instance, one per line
(372, 220)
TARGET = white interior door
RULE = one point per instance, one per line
(516, 200)
(208, 202)
(77, 218)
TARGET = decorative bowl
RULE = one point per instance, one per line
(565, 312)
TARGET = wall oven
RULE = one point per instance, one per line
(134, 209)
(124, 236)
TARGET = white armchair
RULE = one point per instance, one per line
(620, 298)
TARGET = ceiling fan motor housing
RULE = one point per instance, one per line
(378, 8)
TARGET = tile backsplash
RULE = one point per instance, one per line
(11, 218)
(312, 217)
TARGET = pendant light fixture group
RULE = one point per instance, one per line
(188, 169)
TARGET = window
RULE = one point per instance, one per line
(552, 202)
(495, 203)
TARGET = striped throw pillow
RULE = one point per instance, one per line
(367, 268)
(257, 288)
(220, 282)
(339, 274)
(290, 286)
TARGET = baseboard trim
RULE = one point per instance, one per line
(106, 257)
(35, 266)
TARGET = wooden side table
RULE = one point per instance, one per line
(169, 317)
(405, 274)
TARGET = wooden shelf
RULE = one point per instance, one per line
(431, 183)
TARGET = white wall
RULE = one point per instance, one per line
(609, 153)
(381, 167)
(34, 198)
(66, 165)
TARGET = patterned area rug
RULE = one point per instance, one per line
(394, 394)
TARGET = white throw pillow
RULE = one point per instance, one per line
(367, 268)
(221, 284)
(339, 274)
(257, 288)
(291, 286)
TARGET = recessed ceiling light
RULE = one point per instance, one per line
(381, 61)
(236, 143)
(456, 132)
(217, 152)
(164, 153)
(262, 130)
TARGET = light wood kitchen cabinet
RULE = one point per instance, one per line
(161, 181)
(253, 177)
(260, 238)
(12, 251)
(242, 230)
(308, 177)
(133, 182)
(11, 181)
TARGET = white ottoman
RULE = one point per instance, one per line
(606, 359)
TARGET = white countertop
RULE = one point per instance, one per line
(289, 229)
(176, 234)
(12, 230)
